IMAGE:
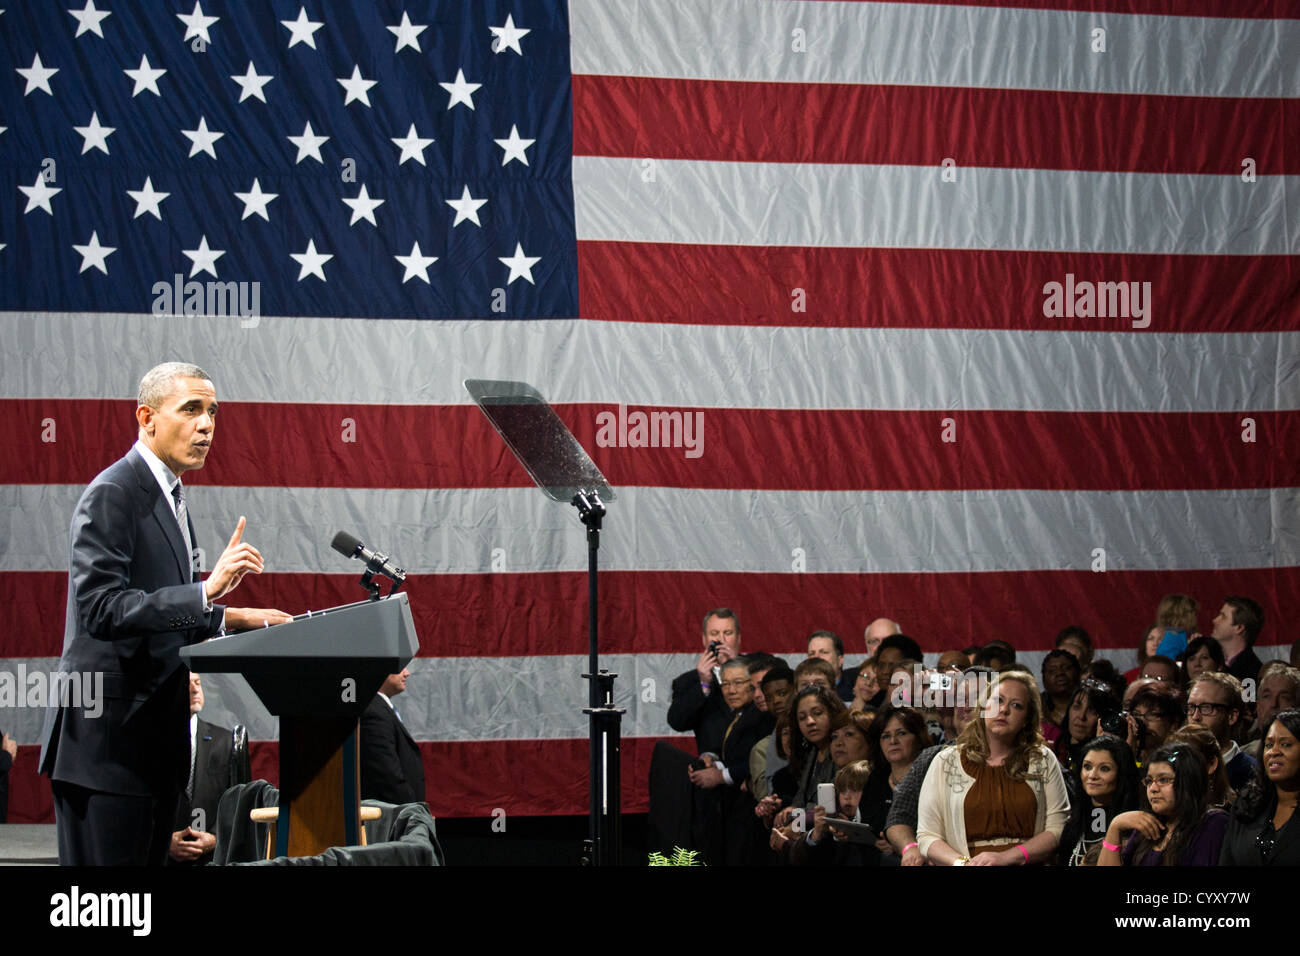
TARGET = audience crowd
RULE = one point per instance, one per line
(1192, 758)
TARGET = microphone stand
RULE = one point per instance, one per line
(604, 843)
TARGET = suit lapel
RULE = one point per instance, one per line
(164, 515)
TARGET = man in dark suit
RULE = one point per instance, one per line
(392, 769)
(1236, 629)
(217, 763)
(8, 753)
(134, 599)
(697, 702)
(724, 806)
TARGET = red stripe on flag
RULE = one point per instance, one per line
(517, 615)
(925, 288)
(715, 120)
(731, 448)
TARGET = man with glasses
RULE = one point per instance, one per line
(723, 804)
(1215, 703)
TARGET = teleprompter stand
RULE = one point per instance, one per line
(558, 464)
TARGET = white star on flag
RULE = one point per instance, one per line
(204, 258)
(508, 36)
(407, 33)
(39, 195)
(357, 88)
(89, 19)
(94, 135)
(521, 266)
(466, 207)
(461, 92)
(417, 264)
(514, 146)
(196, 24)
(412, 146)
(145, 78)
(302, 30)
(255, 202)
(312, 262)
(362, 206)
(250, 84)
(308, 144)
(202, 140)
(93, 254)
(147, 200)
(37, 76)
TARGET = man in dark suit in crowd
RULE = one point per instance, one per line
(724, 804)
(392, 769)
(134, 600)
(697, 702)
(8, 754)
(216, 764)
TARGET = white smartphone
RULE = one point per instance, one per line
(826, 797)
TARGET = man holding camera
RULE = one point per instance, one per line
(698, 703)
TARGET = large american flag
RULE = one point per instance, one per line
(831, 228)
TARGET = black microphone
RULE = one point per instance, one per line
(351, 547)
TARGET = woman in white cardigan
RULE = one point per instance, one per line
(998, 797)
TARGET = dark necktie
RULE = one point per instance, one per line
(183, 519)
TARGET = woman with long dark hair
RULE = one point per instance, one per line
(813, 711)
(1264, 830)
(1082, 722)
(1105, 785)
(1176, 826)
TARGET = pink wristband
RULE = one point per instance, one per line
(910, 845)
(1022, 849)
(1114, 848)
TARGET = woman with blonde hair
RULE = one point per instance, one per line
(998, 797)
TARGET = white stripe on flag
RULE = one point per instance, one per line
(675, 529)
(341, 361)
(808, 204)
(925, 45)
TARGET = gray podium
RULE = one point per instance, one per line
(317, 673)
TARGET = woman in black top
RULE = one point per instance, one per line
(1264, 830)
(1104, 784)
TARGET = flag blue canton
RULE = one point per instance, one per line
(369, 74)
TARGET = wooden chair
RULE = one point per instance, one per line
(270, 815)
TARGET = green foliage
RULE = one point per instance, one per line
(680, 857)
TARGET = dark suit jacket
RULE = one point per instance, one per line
(392, 769)
(1239, 847)
(692, 709)
(751, 726)
(1246, 665)
(132, 605)
(5, 763)
(216, 769)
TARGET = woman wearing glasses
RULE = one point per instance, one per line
(1177, 828)
(998, 797)
(1264, 830)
